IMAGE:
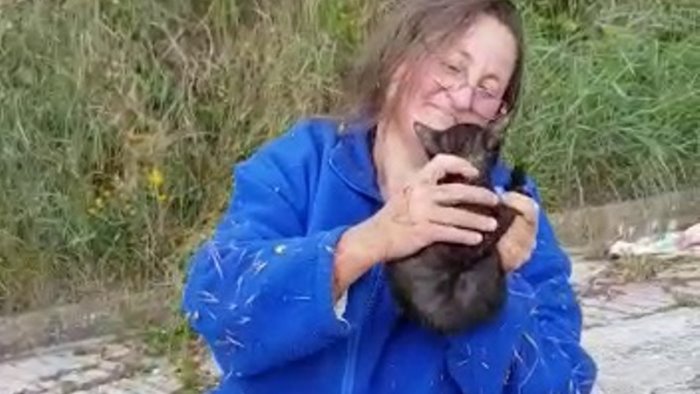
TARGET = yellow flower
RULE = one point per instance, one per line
(92, 211)
(162, 197)
(99, 203)
(155, 178)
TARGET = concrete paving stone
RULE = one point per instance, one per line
(600, 317)
(13, 374)
(584, 270)
(643, 297)
(99, 367)
(163, 380)
(82, 378)
(112, 388)
(659, 353)
(684, 270)
(689, 291)
(23, 373)
(131, 386)
(610, 306)
(632, 299)
(138, 386)
(115, 351)
(11, 386)
(110, 365)
(48, 366)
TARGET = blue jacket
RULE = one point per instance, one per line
(259, 291)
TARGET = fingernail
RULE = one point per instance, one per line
(499, 193)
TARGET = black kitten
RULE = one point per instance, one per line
(451, 287)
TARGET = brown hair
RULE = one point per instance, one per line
(409, 25)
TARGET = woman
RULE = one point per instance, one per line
(290, 292)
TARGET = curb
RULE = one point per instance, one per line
(111, 314)
(591, 230)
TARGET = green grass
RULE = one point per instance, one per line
(120, 120)
(611, 106)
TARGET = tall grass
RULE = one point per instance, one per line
(120, 120)
(611, 104)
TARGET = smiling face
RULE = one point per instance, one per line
(461, 82)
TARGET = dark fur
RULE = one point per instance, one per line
(451, 287)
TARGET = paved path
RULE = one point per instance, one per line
(642, 325)
(101, 365)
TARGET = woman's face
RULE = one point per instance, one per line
(462, 82)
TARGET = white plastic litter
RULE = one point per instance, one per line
(668, 244)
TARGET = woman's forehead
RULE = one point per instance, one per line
(487, 40)
(480, 33)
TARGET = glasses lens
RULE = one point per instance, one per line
(486, 106)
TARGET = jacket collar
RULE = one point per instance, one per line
(351, 159)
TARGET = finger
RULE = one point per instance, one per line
(443, 164)
(517, 244)
(512, 254)
(523, 204)
(454, 193)
(517, 201)
(462, 218)
(440, 233)
(506, 252)
(521, 233)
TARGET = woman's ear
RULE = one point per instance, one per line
(398, 77)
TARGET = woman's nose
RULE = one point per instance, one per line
(462, 98)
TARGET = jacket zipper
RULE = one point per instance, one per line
(349, 377)
(348, 385)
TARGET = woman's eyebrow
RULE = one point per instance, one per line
(466, 54)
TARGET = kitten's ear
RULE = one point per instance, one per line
(499, 126)
(427, 137)
(493, 142)
(497, 132)
(518, 180)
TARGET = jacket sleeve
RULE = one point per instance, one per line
(534, 346)
(259, 291)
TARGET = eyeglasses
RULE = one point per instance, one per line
(452, 78)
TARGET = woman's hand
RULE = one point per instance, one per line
(421, 214)
(517, 244)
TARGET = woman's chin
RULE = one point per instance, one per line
(435, 124)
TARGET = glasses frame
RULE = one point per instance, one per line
(452, 78)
